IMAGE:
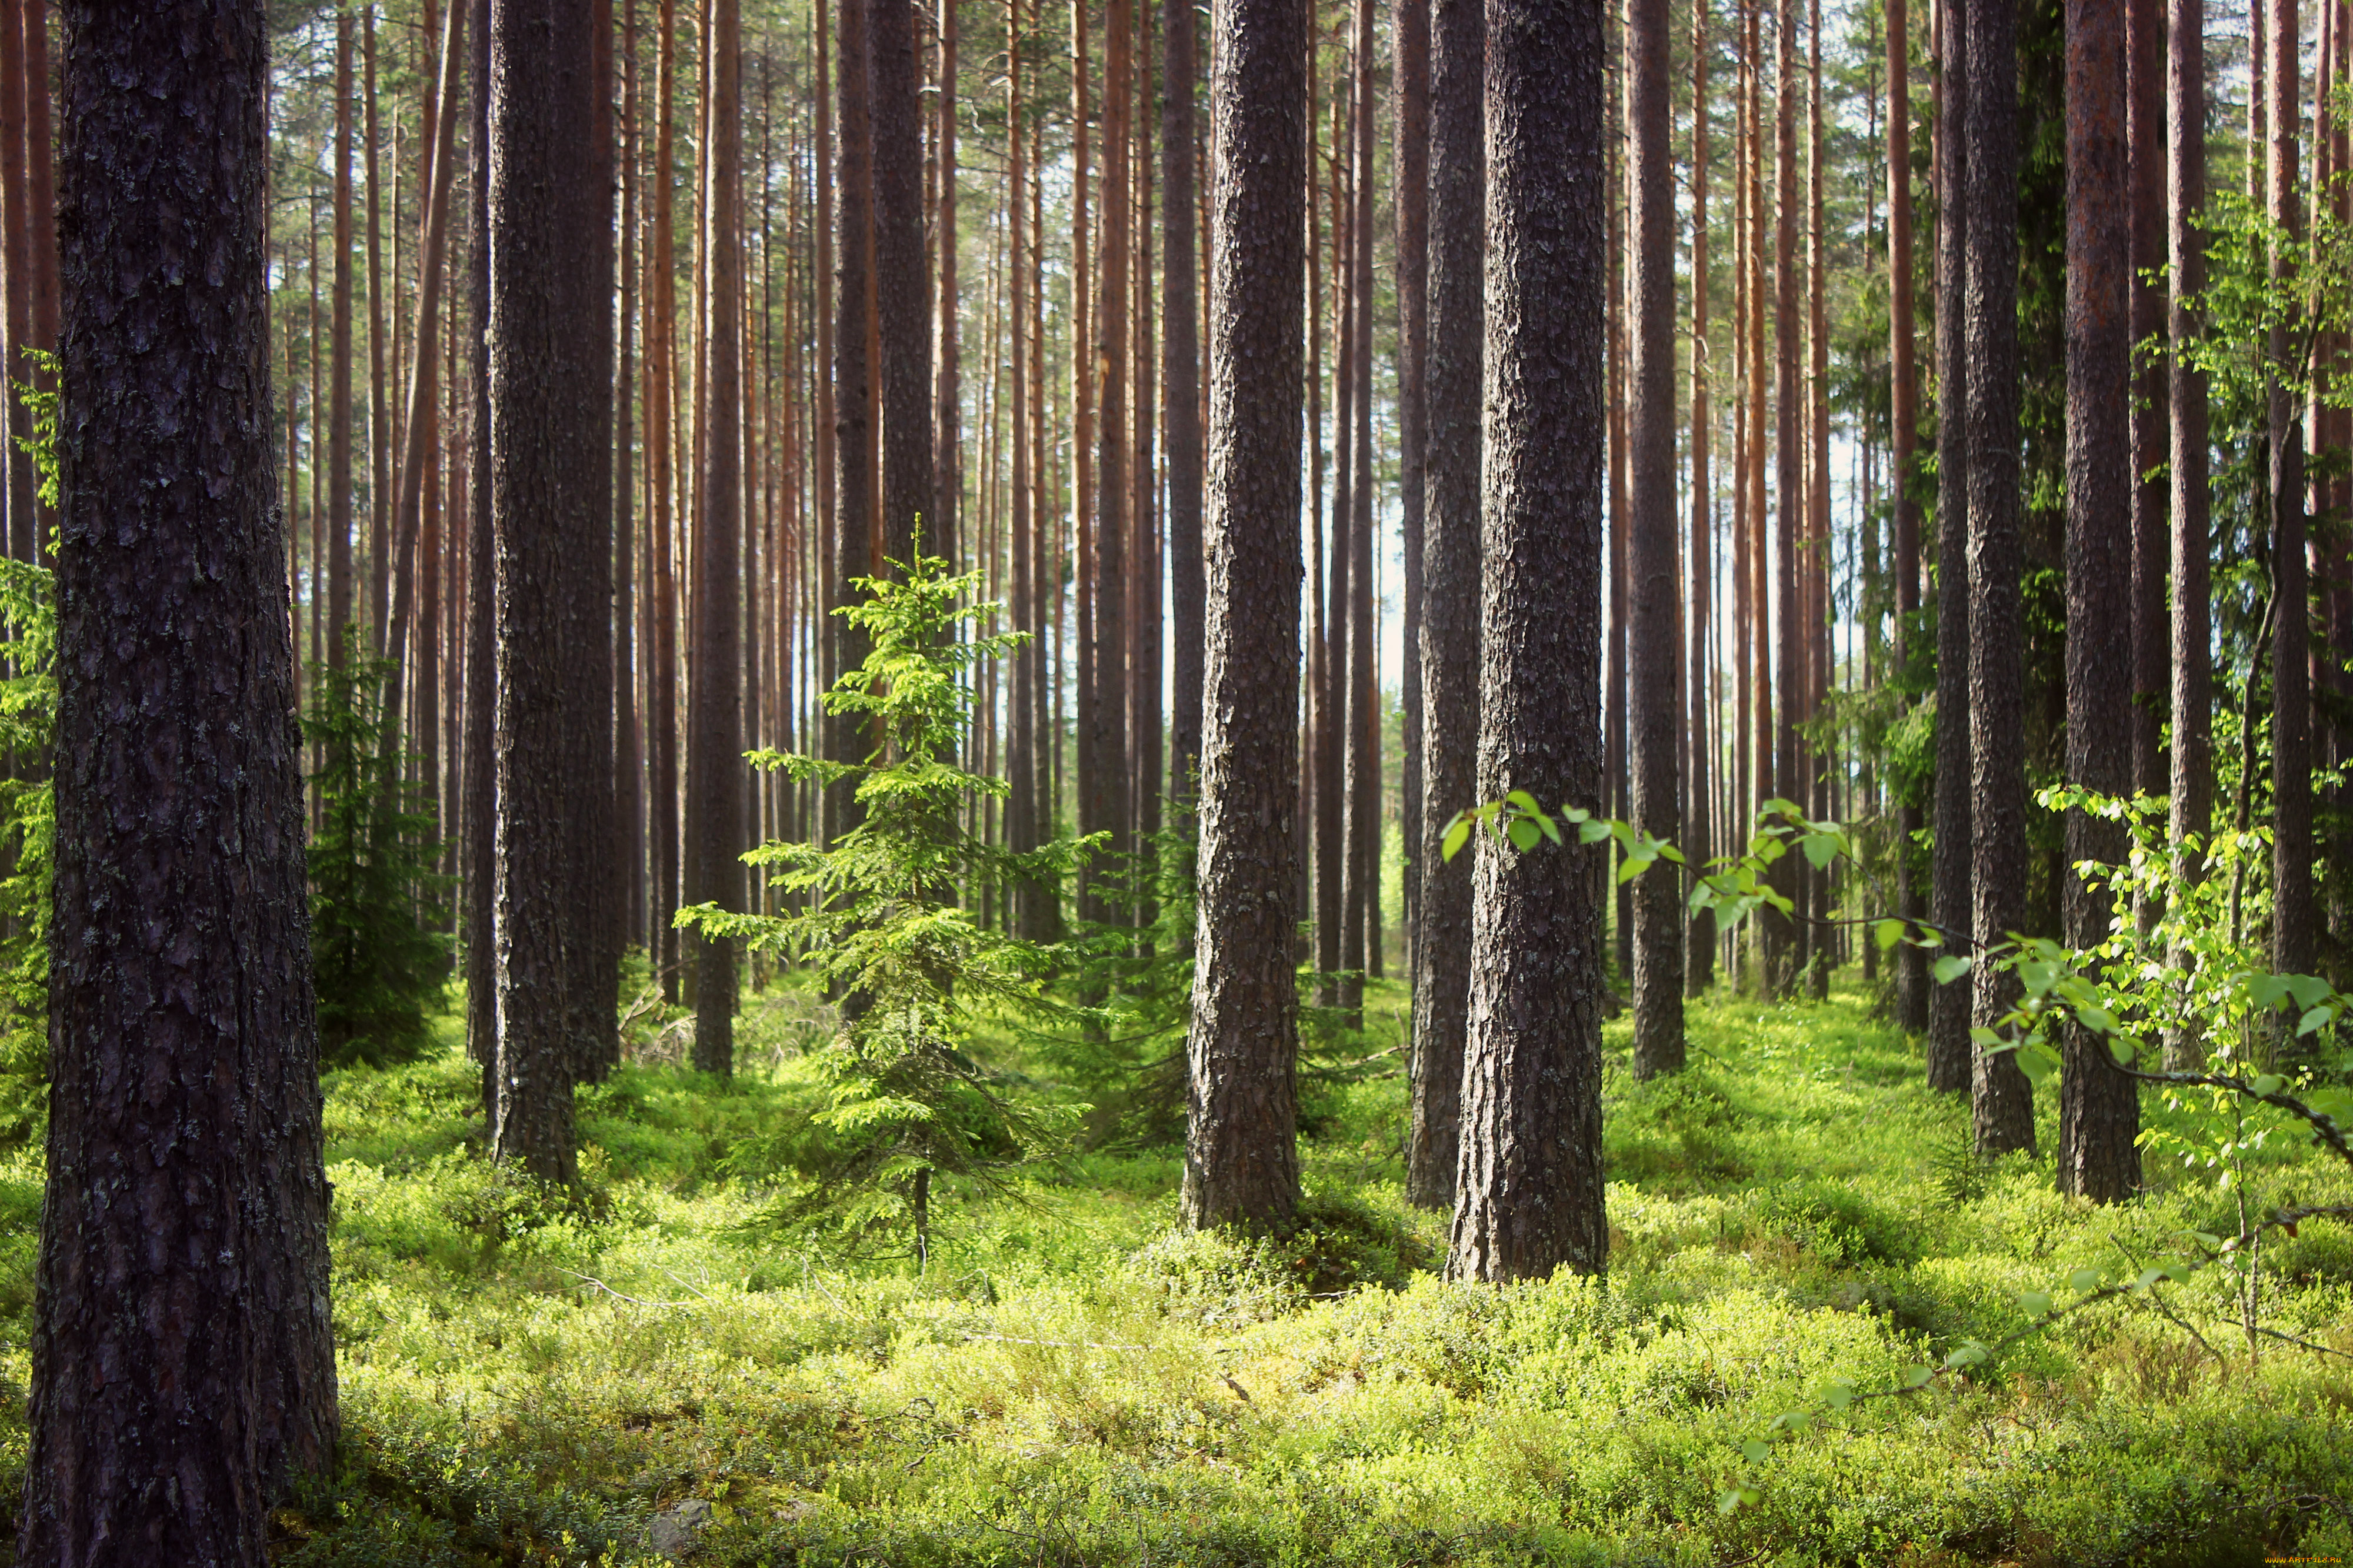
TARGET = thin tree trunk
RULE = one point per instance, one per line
(1361, 764)
(1181, 393)
(1449, 606)
(1105, 805)
(2145, 154)
(1950, 902)
(379, 548)
(2292, 842)
(1654, 687)
(1782, 946)
(1410, 22)
(1241, 1161)
(854, 450)
(16, 272)
(715, 739)
(2000, 1100)
(947, 440)
(2099, 1108)
(1529, 1190)
(339, 416)
(661, 481)
(629, 659)
(1911, 960)
(182, 1358)
(1699, 936)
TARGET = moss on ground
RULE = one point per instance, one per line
(1076, 1382)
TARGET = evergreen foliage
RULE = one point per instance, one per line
(874, 916)
(376, 899)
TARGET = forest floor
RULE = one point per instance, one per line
(1075, 1382)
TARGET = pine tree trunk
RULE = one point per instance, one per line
(1450, 604)
(1950, 904)
(16, 270)
(1654, 685)
(1410, 22)
(548, 500)
(1699, 936)
(2292, 842)
(1105, 808)
(1529, 1194)
(182, 1362)
(2145, 154)
(339, 416)
(379, 418)
(853, 390)
(1781, 936)
(2192, 776)
(714, 740)
(2000, 1100)
(628, 658)
(2099, 1108)
(1911, 961)
(481, 617)
(1181, 393)
(1241, 1162)
(947, 439)
(1360, 766)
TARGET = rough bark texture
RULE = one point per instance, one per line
(1410, 24)
(2292, 844)
(547, 515)
(714, 719)
(1653, 685)
(1181, 400)
(2099, 1108)
(1911, 961)
(1104, 807)
(2192, 777)
(2000, 1100)
(2145, 154)
(1699, 949)
(182, 1362)
(1450, 598)
(1241, 1160)
(480, 772)
(901, 292)
(1360, 935)
(853, 392)
(1949, 903)
(1529, 1189)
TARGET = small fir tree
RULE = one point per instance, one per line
(875, 914)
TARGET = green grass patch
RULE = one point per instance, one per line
(1078, 1381)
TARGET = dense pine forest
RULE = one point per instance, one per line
(1293, 782)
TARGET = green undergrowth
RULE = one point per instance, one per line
(1075, 1381)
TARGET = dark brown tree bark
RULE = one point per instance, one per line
(1654, 687)
(1359, 917)
(481, 616)
(1331, 692)
(1529, 1192)
(1950, 905)
(853, 389)
(2145, 154)
(1104, 808)
(941, 522)
(902, 291)
(2000, 1100)
(379, 336)
(1022, 814)
(2192, 777)
(1410, 21)
(1241, 1161)
(628, 658)
(714, 739)
(1699, 936)
(1450, 601)
(1912, 969)
(2293, 945)
(661, 486)
(1181, 396)
(1781, 937)
(550, 525)
(2099, 1108)
(183, 1361)
(16, 270)
(339, 406)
